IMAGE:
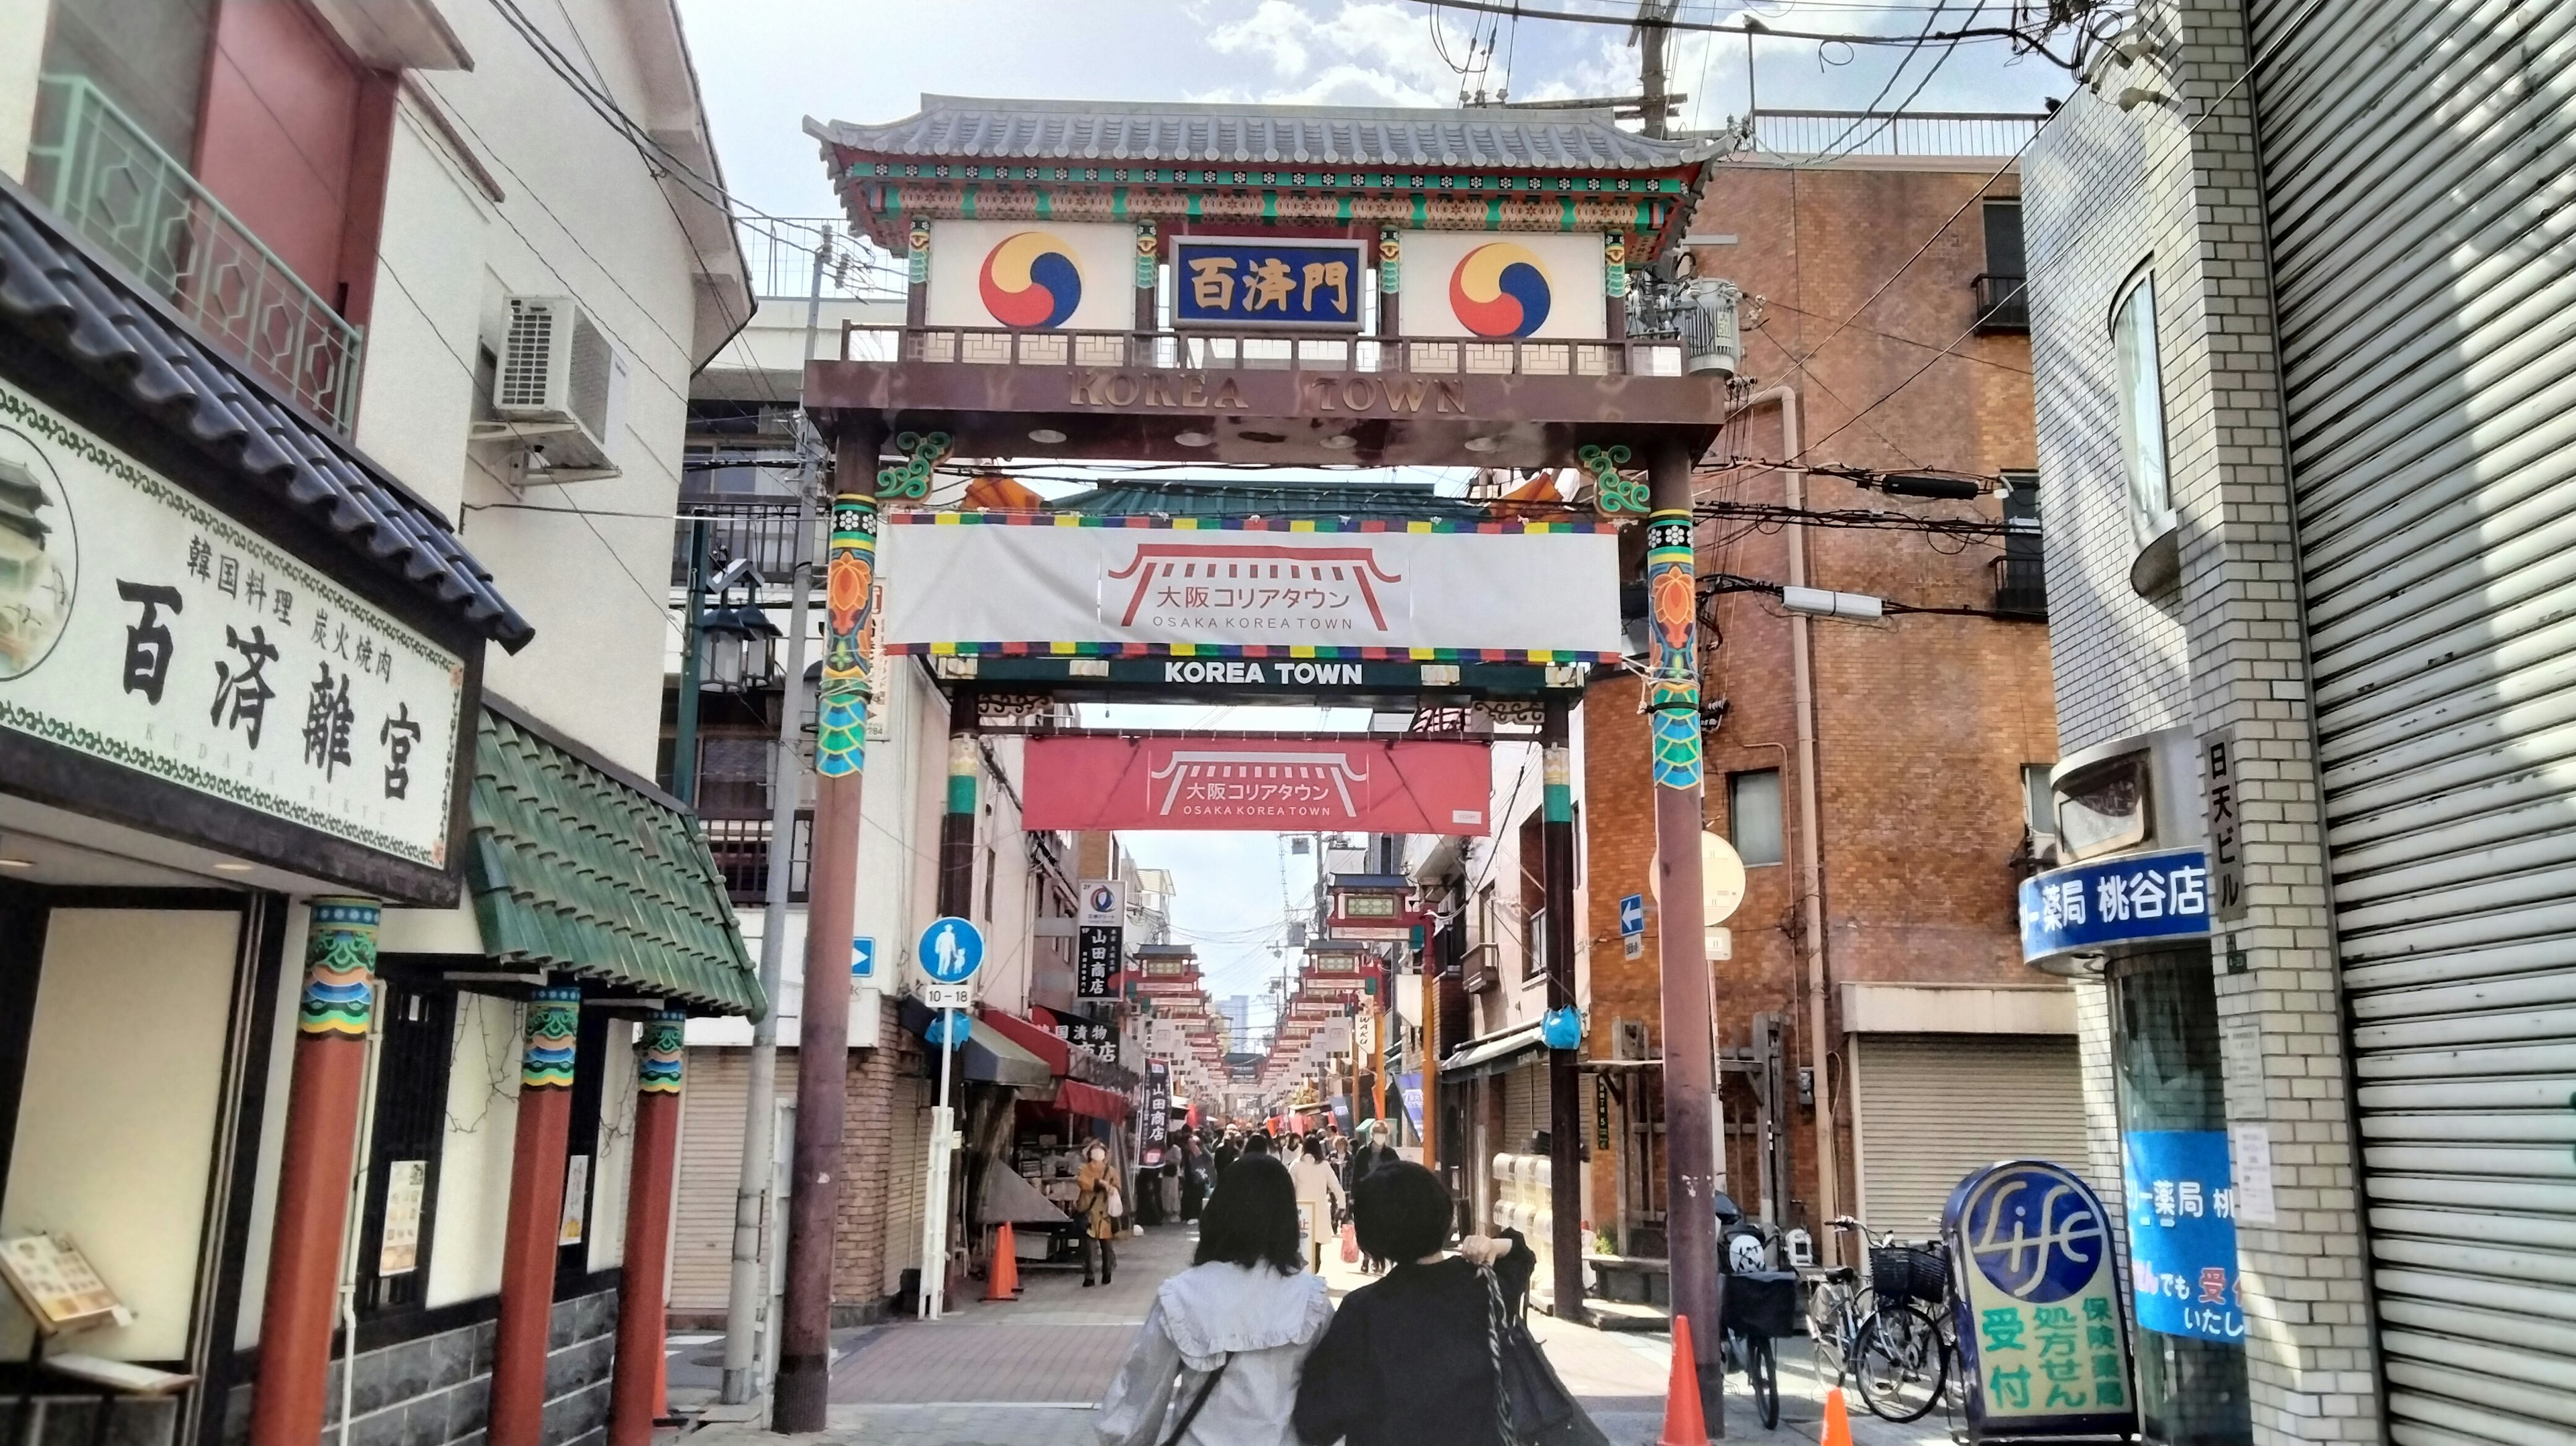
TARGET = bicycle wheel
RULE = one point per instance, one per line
(1828, 1317)
(1900, 1361)
(1762, 1374)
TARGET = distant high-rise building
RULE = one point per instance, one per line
(1237, 1010)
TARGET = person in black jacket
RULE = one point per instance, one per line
(1407, 1360)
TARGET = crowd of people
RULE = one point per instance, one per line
(1245, 1348)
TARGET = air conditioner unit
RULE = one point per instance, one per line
(559, 387)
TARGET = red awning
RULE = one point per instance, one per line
(1076, 1098)
(1057, 1054)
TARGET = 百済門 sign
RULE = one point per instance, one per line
(1241, 283)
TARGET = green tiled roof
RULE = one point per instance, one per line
(574, 869)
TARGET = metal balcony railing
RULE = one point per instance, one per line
(1202, 351)
(763, 531)
(1894, 133)
(115, 186)
(2003, 303)
(741, 849)
(2021, 585)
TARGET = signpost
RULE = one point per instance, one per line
(1632, 926)
(1100, 938)
(951, 950)
(863, 957)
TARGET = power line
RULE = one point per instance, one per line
(2021, 39)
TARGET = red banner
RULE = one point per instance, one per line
(1289, 784)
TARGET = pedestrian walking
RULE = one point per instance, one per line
(1227, 1151)
(1259, 1145)
(1099, 1204)
(1194, 1175)
(1372, 1152)
(1216, 1362)
(1319, 1198)
(1409, 1360)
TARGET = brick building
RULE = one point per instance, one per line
(1878, 887)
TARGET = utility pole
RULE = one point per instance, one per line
(684, 735)
(747, 1295)
(1564, 1111)
(1652, 31)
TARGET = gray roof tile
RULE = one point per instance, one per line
(87, 312)
(1061, 130)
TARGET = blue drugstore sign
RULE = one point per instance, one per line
(1225, 282)
(2132, 899)
(2182, 1234)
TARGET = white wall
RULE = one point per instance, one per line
(22, 47)
(272, 1131)
(116, 1125)
(616, 1155)
(474, 1164)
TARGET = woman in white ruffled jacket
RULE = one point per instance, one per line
(1217, 1360)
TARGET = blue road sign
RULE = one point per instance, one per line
(949, 1028)
(952, 949)
(863, 957)
(1632, 914)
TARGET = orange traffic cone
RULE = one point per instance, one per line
(1684, 1423)
(1002, 1280)
(1837, 1420)
(662, 1383)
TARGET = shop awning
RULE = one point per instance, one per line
(577, 866)
(1055, 1052)
(987, 1057)
(1494, 1054)
(1076, 1098)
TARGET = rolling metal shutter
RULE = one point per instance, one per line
(1524, 1107)
(2415, 157)
(1932, 1107)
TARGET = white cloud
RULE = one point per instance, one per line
(1365, 52)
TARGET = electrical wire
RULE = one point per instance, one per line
(2022, 39)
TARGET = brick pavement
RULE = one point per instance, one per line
(1026, 1373)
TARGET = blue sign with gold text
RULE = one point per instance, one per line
(1234, 283)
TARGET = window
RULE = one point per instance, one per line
(2003, 239)
(1533, 839)
(2142, 412)
(411, 1123)
(1753, 815)
(2038, 812)
(2103, 807)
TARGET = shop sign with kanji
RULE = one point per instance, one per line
(1233, 283)
(144, 628)
(2182, 1234)
(2043, 1347)
(2131, 899)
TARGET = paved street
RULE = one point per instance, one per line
(1026, 1373)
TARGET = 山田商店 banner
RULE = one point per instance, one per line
(976, 582)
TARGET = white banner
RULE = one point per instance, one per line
(140, 626)
(1547, 588)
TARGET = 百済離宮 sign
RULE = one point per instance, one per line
(141, 627)
(1228, 282)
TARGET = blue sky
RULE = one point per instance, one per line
(764, 65)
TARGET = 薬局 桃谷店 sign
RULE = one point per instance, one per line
(2043, 1348)
(144, 628)
(2182, 1234)
(2131, 899)
(1037, 582)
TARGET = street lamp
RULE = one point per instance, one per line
(737, 649)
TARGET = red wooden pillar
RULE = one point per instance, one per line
(313, 1174)
(634, 1397)
(536, 1219)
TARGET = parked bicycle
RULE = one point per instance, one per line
(1761, 1303)
(1882, 1331)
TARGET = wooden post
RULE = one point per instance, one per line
(634, 1398)
(321, 1146)
(823, 1044)
(1672, 701)
(535, 1222)
(1564, 1111)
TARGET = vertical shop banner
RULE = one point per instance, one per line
(1154, 1136)
(2043, 1348)
(1375, 785)
(1100, 939)
(2182, 1234)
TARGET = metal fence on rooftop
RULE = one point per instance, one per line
(1805, 133)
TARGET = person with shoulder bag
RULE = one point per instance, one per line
(1099, 1205)
(1217, 1360)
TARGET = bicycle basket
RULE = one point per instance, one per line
(1909, 1272)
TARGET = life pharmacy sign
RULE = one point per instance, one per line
(2182, 1234)
(2135, 898)
(143, 628)
(2043, 1348)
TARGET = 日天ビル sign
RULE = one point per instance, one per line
(1004, 583)
(144, 628)
(2043, 1348)
(1382, 786)
(2131, 899)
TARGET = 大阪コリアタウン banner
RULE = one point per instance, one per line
(1382, 786)
(1040, 582)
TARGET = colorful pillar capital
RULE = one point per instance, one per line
(339, 968)
(1672, 686)
(1556, 802)
(554, 1033)
(659, 1054)
(963, 770)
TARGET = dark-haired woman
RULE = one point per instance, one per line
(1407, 1361)
(1217, 1360)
